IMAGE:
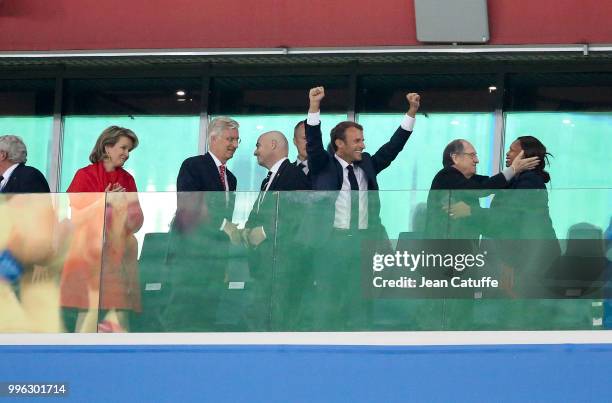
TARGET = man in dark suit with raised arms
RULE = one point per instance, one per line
(349, 214)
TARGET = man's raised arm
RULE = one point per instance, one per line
(387, 153)
(317, 156)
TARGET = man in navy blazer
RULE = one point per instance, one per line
(209, 173)
(199, 251)
(348, 213)
(15, 176)
(330, 171)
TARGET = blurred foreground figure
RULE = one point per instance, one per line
(26, 241)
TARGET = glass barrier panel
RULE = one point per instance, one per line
(50, 261)
(201, 273)
(168, 262)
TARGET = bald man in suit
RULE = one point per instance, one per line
(272, 235)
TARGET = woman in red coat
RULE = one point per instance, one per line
(100, 273)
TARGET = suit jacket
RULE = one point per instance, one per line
(521, 211)
(326, 172)
(296, 163)
(202, 202)
(288, 177)
(280, 215)
(458, 188)
(26, 179)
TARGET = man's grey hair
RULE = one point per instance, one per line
(220, 124)
(14, 147)
(454, 147)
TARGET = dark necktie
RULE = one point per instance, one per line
(303, 167)
(354, 198)
(222, 176)
(264, 184)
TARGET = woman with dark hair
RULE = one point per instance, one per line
(532, 147)
(520, 221)
(100, 272)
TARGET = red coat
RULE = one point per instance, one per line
(88, 279)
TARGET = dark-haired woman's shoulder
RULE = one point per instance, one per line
(528, 180)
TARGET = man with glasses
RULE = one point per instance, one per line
(209, 173)
(199, 241)
(456, 214)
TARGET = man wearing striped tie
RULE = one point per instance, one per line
(202, 230)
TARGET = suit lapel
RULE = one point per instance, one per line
(210, 166)
(368, 171)
(12, 181)
(273, 186)
(276, 179)
(339, 173)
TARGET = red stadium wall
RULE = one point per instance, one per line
(160, 24)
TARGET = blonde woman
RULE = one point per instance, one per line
(100, 272)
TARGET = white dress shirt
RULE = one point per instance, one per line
(342, 220)
(7, 175)
(218, 163)
(274, 170)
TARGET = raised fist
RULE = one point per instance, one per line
(316, 94)
(414, 100)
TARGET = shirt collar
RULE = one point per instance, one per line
(7, 174)
(342, 162)
(217, 160)
(276, 166)
(299, 161)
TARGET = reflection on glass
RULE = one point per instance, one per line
(32, 246)
(290, 270)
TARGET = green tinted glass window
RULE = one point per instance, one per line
(36, 133)
(421, 159)
(164, 142)
(580, 144)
